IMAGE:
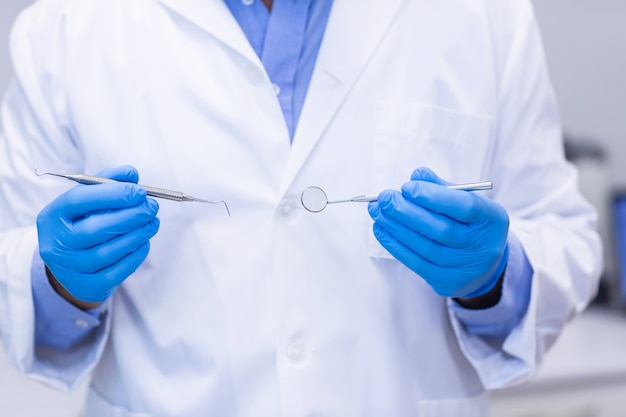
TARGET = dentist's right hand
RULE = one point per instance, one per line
(93, 237)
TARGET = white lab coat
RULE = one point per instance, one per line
(277, 311)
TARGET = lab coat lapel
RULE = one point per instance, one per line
(214, 17)
(353, 32)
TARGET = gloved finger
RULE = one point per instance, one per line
(421, 245)
(102, 226)
(441, 279)
(125, 267)
(98, 287)
(463, 206)
(432, 225)
(417, 264)
(83, 200)
(426, 174)
(125, 173)
(111, 252)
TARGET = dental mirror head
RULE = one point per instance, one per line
(314, 199)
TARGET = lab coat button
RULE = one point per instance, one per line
(276, 88)
(81, 323)
(296, 353)
(287, 209)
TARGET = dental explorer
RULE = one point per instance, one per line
(151, 191)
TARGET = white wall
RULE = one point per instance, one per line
(586, 47)
(585, 43)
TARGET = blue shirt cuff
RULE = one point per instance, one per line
(58, 323)
(499, 320)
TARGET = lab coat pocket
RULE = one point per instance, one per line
(477, 406)
(454, 144)
(97, 406)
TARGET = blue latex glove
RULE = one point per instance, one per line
(455, 240)
(93, 237)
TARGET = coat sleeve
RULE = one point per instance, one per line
(539, 189)
(37, 134)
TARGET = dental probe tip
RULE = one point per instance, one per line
(200, 200)
(40, 174)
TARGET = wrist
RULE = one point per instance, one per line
(484, 301)
(490, 296)
(60, 289)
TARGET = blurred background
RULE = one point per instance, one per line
(585, 373)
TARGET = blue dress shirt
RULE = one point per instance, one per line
(287, 41)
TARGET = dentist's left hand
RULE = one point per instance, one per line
(93, 237)
(455, 240)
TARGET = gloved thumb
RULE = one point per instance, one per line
(125, 173)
